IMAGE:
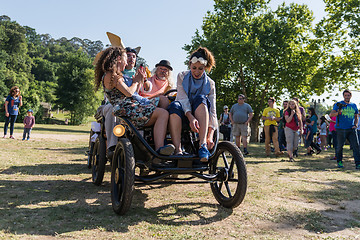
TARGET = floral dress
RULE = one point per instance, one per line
(138, 113)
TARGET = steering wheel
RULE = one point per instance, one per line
(171, 94)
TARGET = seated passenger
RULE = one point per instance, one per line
(195, 103)
(121, 92)
(159, 83)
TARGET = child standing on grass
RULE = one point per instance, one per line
(309, 135)
(29, 123)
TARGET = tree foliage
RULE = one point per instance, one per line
(34, 61)
(261, 53)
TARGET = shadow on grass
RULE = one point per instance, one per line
(342, 200)
(48, 169)
(74, 150)
(68, 206)
(60, 129)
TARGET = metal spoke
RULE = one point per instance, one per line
(228, 189)
(220, 186)
(225, 160)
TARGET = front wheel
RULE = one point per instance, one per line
(229, 190)
(122, 176)
(98, 160)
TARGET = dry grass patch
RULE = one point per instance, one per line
(46, 192)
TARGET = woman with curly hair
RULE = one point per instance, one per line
(122, 94)
(293, 123)
(12, 104)
(195, 103)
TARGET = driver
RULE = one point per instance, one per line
(159, 83)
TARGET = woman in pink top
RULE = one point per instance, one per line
(332, 130)
(293, 123)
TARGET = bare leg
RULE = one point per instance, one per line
(175, 126)
(159, 119)
(202, 115)
(237, 141)
(164, 102)
(244, 141)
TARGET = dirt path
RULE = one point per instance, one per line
(59, 137)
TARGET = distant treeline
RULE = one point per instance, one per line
(56, 71)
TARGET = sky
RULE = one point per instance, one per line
(160, 27)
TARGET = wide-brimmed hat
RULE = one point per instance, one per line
(164, 63)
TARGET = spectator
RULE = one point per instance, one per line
(241, 114)
(332, 130)
(314, 119)
(282, 139)
(12, 104)
(225, 124)
(303, 118)
(308, 136)
(29, 123)
(323, 131)
(293, 123)
(346, 114)
(271, 116)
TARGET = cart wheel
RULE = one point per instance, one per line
(90, 150)
(122, 176)
(98, 160)
(90, 155)
(229, 163)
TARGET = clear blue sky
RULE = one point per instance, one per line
(160, 27)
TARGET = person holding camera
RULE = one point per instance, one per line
(346, 114)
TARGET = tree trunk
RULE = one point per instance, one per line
(254, 125)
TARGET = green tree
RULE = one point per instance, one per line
(75, 89)
(339, 32)
(261, 53)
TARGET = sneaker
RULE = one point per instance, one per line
(246, 152)
(12, 137)
(357, 166)
(166, 150)
(4, 136)
(334, 158)
(318, 152)
(340, 164)
(291, 160)
(27, 139)
(23, 139)
(204, 153)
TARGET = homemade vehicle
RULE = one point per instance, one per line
(136, 161)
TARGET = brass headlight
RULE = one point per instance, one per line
(119, 130)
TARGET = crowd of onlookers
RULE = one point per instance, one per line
(284, 129)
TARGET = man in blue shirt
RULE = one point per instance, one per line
(346, 114)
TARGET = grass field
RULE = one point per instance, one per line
(46, 192)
